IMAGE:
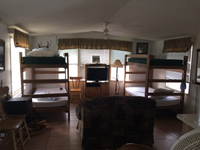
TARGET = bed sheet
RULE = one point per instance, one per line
(49, 101)
(140, 91)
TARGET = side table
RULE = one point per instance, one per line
(189, 122)
(19, 105)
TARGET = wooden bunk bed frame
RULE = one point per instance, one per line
(33, 81)
(149, 78)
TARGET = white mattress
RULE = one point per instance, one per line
(140, 91)
(49, 101)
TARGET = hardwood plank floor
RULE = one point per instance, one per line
(63, 135)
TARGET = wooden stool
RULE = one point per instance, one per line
(133, 146)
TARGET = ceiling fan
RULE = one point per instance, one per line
(107, 32)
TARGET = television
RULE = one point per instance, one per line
(97, 74)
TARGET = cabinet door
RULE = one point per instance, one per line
(97, 91)
(105, 89)
(93, 91)
(89, 92)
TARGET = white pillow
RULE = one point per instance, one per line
(42, 53)
(160, 90)
(40, 49)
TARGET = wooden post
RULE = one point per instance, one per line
(147, 76)
(124, 75)
(67, 87)
(21, 74)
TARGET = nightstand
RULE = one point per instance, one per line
(19, 105)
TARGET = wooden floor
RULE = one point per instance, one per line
(63, 135)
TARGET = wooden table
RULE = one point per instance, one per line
(189, 122)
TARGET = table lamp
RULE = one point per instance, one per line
(117, 64)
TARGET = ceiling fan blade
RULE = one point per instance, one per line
(114, 33)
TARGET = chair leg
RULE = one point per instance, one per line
(80, 97)
(21, 138)
(14, 140)
(71, 97)
(27, 132)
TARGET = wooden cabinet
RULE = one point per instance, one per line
(93, 88)
(92, 91)
(105, 89)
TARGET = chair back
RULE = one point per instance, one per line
(75, 82)
(3, 96)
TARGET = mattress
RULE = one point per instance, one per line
(140, 91)
(43, 60)
(49, 101)
(159, 62)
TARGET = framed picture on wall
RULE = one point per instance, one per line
(142, 48)
(2, 55)
(96, 59)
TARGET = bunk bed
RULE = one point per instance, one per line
(164, 99)
(47, 99)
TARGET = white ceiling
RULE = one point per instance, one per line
(142, 19)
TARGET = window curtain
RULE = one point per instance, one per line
(94, 44)
(21, 39)
(177, 45)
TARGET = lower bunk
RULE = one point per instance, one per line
(163, 102)
(52, 103)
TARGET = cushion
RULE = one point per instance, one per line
(161, 90)
(43, 53)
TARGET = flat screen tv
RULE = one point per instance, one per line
(97, 74)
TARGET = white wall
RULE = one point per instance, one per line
(5, 75)
(53, 39)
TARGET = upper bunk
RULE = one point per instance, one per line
(44, 62)
(148, 61)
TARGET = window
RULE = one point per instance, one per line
(86, 58)
(15, 67)
(116, 54)
(78, 59)
(175, 75)
(73, 62)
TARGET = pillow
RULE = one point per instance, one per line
(40, 49)
(43, 53)
(160, 90)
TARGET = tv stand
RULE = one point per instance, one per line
(97, 88)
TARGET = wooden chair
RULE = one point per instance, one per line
(11, 126)
(75, 88)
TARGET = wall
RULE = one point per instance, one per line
(53, 39)
(5, 75)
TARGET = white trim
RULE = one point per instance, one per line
(11, 29)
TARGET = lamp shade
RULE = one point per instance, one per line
(117, 63)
